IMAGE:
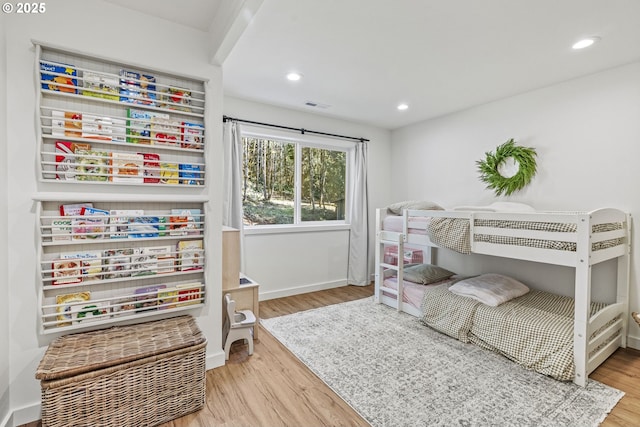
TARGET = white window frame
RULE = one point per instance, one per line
(301, 141)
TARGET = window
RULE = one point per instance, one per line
(290, 182)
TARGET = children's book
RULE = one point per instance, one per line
(93, 311)
(66, 159)
(92, 165)
(190, 174)
(169, 173)
(59, 77)
(127, 167)
(167, 298)
(175, 98)
(119, 221)
(100, 85)
(118, 130)
(151, 164)
(117, 263)
(66, 123)
(164, 130)
(66, 271)
(143, 227)
(189, 293)
(147, 298)
(139, 125)
(192, 136)
(185, 222)
(143, 264)
(69, 305)
(96, 127)
(137, 88)
(190, 255)
(90, 225)
(61, 227)
(90, 263)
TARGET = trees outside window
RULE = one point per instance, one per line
(291, 183)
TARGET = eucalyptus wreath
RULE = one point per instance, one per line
(488, 168)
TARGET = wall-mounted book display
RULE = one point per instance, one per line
(101, 122)
(107, 261)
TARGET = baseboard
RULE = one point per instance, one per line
(280, 293)
(23, 415)
(215, 360)
(633, 342)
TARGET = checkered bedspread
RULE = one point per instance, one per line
(535, 330)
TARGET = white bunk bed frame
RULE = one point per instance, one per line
(582, 260)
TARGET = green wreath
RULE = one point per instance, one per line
(524, 159)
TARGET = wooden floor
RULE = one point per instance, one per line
(272, 388)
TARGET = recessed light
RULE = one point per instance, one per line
(294, 77)
(586, 42)
(402, 107)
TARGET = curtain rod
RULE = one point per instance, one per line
(301, 130)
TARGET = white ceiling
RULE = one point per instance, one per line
(360, 58)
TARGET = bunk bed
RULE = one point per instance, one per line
(578, 240)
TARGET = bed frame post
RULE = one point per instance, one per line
(582, 306)
(622, 288)
(379, 258)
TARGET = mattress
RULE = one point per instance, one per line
(396, 223)
(413, 293)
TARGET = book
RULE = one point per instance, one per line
(189, 293)
(59, 77)
(151, 163)
(121, 306)
(96, 127)
(137, 88)
(167, 298)
(147, 298)
(169, 173)
(61, 227)
(164, 130)
(66, 159)
(90, 263)
(143, 227)
(92, 311)
(127, 167)
(69, 305)
(143, 263)
(164, 258)
(118, 130)
(190, 255)
(184, 222)
(100, 85)
(66, 271)
(139, 125)
(119, 222)
(90, 225)
(66, 123)
(92, 165)
(189, 174)
(117, 263)
(175, 98)
(192, 136)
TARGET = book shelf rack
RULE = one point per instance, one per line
(102, 122)
(131, 253)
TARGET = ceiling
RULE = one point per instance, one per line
(361, 58)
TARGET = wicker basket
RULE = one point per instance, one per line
(138, 375)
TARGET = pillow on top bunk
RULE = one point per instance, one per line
(491, 289)
(397, 208)
(425, 274)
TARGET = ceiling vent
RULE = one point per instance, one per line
(316, 105)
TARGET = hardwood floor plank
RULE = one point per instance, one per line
(273, 388)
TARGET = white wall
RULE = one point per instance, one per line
(108, 31)
(587, 135)
(292, 263)
(5, 395)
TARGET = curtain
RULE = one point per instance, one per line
(232, 181)
(358, 212)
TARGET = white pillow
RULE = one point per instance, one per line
(491, 289)
(397, 208)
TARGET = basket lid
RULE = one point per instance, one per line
(75, 354)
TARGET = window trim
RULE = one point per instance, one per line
(301, 141)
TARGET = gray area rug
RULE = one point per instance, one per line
(394, 371)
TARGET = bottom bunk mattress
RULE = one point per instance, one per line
(534, 330)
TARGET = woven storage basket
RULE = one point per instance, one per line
(138, 375)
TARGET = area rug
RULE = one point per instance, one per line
(394, 371)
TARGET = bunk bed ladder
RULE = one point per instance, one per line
(384, 267)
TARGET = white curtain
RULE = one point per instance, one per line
(232, 192)
(358, 270)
